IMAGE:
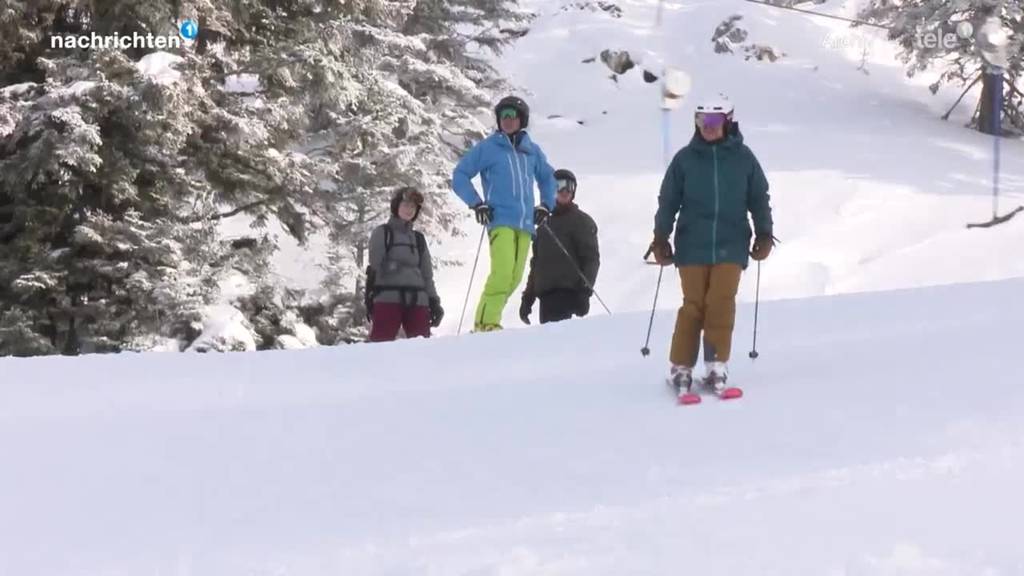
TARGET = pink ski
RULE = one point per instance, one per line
(689, 398)
(731, 393)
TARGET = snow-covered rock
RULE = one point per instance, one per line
(225, 329)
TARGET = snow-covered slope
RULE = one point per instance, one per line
(881, 434)
(871, 189)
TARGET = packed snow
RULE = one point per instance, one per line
(880, 434)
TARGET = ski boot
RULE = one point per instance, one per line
(716, 376)
(681, 379)
(716, 380)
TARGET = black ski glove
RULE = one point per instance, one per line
(583, 301)
(540, 214)
(436, 312)
(484, 213)
(526, 308)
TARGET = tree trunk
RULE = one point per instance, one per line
(72, 345)
(986, 120)
(361, 257)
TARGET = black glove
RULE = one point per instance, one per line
(583, 301)
(540, 213)
(526, 308)
(484, 213)
(436, 312)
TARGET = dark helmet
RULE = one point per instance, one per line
(563, 174)
(520, 107)
(406, 193)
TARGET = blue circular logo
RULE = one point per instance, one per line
(189, 30)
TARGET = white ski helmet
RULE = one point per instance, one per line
(718, 104)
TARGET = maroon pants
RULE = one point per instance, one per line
(389, 317)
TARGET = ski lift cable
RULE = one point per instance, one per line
(823, 15)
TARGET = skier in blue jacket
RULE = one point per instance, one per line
(509, 164)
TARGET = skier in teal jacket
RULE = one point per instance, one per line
(710, 187)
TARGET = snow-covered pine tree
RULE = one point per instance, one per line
(915, 23)
(464, 32)
(103, 229)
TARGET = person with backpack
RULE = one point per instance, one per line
(510, 164)
(711, 185)
(566, 258)
(400, 290)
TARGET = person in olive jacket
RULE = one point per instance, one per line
(711, 185)
(565, 252)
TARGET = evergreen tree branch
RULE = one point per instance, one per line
(1014, 89)
(236, 211)
(957, 103)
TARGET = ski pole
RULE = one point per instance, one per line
(674, 86)
(645, 350)
(586, 283)
(479, 245)
(757, 301)
(666, 139)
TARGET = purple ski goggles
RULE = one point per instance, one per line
(709, 119)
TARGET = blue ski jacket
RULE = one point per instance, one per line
(508, 168)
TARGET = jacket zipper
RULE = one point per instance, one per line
(519, 185)
(714, 227)
(515, 180)
(512, 169)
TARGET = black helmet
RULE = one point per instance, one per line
(406, 193)
(563, 174)
(520, 107)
